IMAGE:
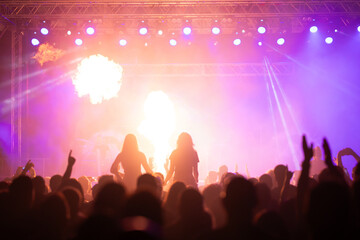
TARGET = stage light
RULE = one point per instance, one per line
(78, 41)
(143, 31)
(90, 31)
(172, 42)
(35, 42)
(261, 30)
(237, 42)
(313, 29)
(329, 40)
(358, 28)
(122, 42)
(68, 33)
(98, 77)
(260, 44)
(215, 30)
(44, 31)
(160, 32)
(280, 41)
(187, 30)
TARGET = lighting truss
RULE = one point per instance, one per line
(206, 70)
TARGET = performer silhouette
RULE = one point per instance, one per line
(184, 162)
(131, 160)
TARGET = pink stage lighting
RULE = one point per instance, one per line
(78, 41)
(90, 31)
(280, 41)
(237, 42)
(122, 42)
(35, 42)
(313, 29)
(187, 30)
(172, 42)
(143, 31)
(329, 40)
(215, 30)
(44, 31)
(261, 30)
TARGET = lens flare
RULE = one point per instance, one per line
(158, 126)
(98, 77)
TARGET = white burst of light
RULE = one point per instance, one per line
(158, 126)
(98, 77)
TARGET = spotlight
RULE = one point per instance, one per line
(143, 31)
(313, 29)
(187, 30)
(35, 42)
(260, 44)
(329, 40)
(78, 42)
(122, 42)
(44, 31)
(160, 32)
(90, 30)
(68, 33)
(280, 41)
(215, 30)
(261, 30)
(358, 28)
(237, 42)
(172, 42)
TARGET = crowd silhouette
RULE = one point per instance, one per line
(323, 204)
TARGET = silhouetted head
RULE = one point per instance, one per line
(21, 193)
(240, 199)
(54, 213)
(317, 153)
(212, 194)
(191, 204)
(85, 183)
(144, 204)
(266, 178)
(130, 144)
(280, 171)
(184, 141)
(4, 186)
(55, 182)
(72, 196)
(110, 200)
(174, 194)
(72, 182)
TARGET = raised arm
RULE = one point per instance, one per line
(27, 167)
(71, 162)
(115, 169)
(303, 189)
(196, 172)
(145, 164)
(170, 172)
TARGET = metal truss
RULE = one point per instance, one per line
(206, 70)
(164, 9)
(16, 92)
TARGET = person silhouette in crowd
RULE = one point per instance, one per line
(194, 221)
(184, 162)
(131, 160)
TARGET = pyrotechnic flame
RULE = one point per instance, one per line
(158, 126)
(98, 77)
(47, 53)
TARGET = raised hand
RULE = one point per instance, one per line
(308, 152)
(328, 158)
(346, 151)
(29, 165)
(71, 159)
